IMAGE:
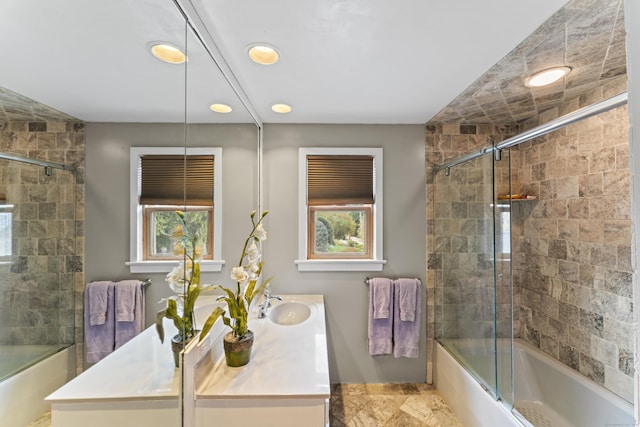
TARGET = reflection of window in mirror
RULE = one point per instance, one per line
(6, 220)
(158, 189)
(503, 231)
(340, 209)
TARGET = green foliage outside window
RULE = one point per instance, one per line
(165, 222)
(338, 231)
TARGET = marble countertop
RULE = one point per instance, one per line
(142, 368)
(286, 360)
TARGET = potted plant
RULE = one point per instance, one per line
(184, 281)
(239, 341)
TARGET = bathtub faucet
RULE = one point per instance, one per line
(264, 307)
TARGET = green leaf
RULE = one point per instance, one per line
(211, 320)
(192, 295)
(159, 326)
(258, 290)
(171, 312)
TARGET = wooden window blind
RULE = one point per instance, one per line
(162, 180)
(339, 179)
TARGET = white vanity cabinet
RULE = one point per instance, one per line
(286, 383)
(134, 386)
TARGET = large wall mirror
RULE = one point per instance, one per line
(80, 85)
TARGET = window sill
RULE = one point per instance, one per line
(340, 265)
(166, 266)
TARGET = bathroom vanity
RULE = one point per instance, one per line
(135, 385)
(286, 383)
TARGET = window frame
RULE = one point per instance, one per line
(137, 263)
(373, 263)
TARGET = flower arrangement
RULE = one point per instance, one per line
(246, 275)
(184, 281)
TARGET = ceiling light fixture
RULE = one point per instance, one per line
(221, 108)
(281, 108)
(263, 54)
(546, 77)
(167, 52)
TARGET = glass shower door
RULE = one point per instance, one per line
(465, 247)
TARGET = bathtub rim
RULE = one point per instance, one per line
(33, 384)
(534, 351)
(458, 387)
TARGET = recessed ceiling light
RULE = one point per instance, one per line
(546, 77)
(167, 53)
(281, 108)
(221, 108)
(263, 54)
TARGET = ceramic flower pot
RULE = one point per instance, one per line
(237, 351)
(177, 345)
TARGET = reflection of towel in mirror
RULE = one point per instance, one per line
(99, 337)
(129, 303)
(96, 294)
(380, 326)
(406, 314)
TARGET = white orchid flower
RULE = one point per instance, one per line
(176, 281)
(260, 232)
(253, 253)
(239, 275)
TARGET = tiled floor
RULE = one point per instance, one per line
(387, 405)
(43, 421)
(376, 405)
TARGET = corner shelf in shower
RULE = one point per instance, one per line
(518, 198)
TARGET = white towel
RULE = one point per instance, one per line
(380, 328)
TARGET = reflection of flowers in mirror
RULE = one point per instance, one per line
(184, 281)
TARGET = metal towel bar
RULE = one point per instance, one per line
(367, 278)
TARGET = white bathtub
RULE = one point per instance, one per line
(550, 393)
(546, 391)
(22, 395)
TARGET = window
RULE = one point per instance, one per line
(340, 209)
(6, 236)
(159, 187)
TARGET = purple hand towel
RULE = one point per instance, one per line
(408, 291)
(129, 302)
(99, 338)
(406, 333)
(126, 300)
(96, 294)
(380, 328)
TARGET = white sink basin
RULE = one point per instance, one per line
(290, 313)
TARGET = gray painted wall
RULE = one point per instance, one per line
(346, 296)
(107, 195)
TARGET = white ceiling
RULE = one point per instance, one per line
(342, 61)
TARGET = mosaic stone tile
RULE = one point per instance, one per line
(596, 56)
(592, 368)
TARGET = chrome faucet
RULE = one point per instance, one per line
(266, 303)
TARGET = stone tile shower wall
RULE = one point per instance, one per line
(572, 248)
(41, 289)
